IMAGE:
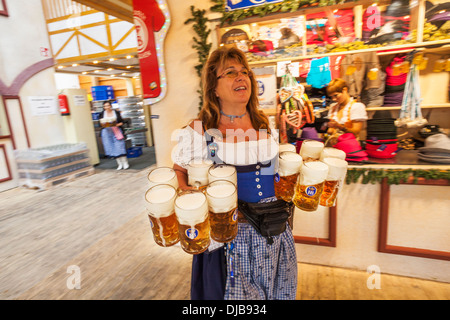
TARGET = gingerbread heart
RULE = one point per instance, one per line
(294, 119)
(285, 94)
(298, 93)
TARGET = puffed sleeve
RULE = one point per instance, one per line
(190, 145)
(358, 112)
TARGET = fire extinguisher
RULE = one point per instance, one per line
(63, 105)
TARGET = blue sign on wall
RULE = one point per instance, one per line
(242, 4)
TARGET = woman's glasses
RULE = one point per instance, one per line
(234, 74)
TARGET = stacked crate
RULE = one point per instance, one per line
(45, 167)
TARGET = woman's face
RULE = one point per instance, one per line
(340, 97)
(107, 106)
(234, 85)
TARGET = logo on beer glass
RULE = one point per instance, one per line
(192, 233)
(311, 191)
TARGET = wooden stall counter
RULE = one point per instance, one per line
(393, 215)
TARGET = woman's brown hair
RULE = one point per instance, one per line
(336, 85)
(210, 112)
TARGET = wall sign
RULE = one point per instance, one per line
(152, 20)
(43, 105)
(242, 4)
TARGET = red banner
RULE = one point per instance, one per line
(148, 18)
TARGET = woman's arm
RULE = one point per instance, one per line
(182, 177)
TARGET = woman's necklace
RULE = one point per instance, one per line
(232, 117)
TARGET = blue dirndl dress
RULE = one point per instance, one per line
(248, 268)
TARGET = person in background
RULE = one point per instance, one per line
(239, 135)
(345, 115)
(288, 38)
(112, 135)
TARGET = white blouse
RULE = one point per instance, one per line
(355, 111)
(192, 145)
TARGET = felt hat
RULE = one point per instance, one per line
(310, 133)
(348, 143)
(436, 149)
(437, 143)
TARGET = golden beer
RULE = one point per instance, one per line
(191, 209)
(285, 187)
(160, 207)
(222, 204)
(195, 239)
(330, 191)
(307, 197)
(165, 230)
(310, 185)
(337, 169)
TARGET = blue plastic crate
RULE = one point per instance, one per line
(134, 152)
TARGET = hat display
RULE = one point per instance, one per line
(348, 143)
(381, 140)
(436, 149)
(310, 133)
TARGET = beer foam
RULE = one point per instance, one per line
(311, 149)
(198, 171)
(332, 153)
(289, 163)
(286, 147)
(160, 200)
(221, 172)
(191, 208)
(337, 168)
(313, 172)
(163, 175)
(222, 197)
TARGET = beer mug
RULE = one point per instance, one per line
(286, 147)
(163, 175)
(309, 186)
(161, 212)
(191, 208)
(288, 170)
(222, 203)
(222, 172)
(311, 150)
(198, 173)
(329, 152)
(337, 169)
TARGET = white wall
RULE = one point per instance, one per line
(181, 102)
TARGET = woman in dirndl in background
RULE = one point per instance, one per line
(249, 267)
(112, 135)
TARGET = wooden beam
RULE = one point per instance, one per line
(109, 7)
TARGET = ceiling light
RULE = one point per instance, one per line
(129, 67)
(113, 75)
(112, 59)
(129, 57)
(60, 67)
(96, 71)
(124, 74)
(75, 65)
(84, 72)
(96, 61)
(110, 69)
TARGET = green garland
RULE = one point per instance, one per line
(263, 10)
(200, 44)
(394, 176)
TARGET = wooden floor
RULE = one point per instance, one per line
(97, 225)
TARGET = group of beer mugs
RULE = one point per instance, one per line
(312, 177)
(193, 217)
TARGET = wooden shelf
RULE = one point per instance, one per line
(443, 45)
(428, 106)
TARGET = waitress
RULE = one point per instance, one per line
(251, 266)
(346, 115)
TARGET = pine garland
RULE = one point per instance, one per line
(394, 176)
(201, 43)
(263, 10)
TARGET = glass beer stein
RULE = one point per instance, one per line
(222, 172)
(191, 208)
(198, 173)
(337, 169)
(288, 170)
(286, 147)
(330, 152)
(311, 150)
(309, 186)
(160, 208)
(163, 175)
(222, 203)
